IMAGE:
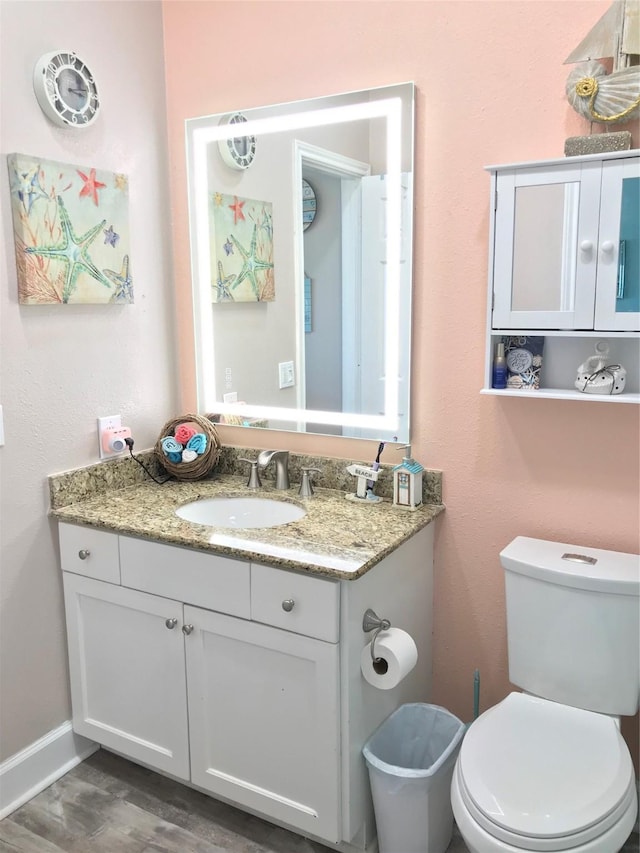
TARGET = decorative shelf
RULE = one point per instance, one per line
(563, 394)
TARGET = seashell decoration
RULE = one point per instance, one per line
(608, 98)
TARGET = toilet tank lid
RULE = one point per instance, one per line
(573, 565)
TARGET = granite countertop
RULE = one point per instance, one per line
(336, 538)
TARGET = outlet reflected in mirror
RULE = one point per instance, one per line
(325, 292)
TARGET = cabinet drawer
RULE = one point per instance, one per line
(89, 552)
(206, 580)
(300, 603)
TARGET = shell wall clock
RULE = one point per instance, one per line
(241, 239)
(66, 89)
(71, 232)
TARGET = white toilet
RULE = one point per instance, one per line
(548, 770)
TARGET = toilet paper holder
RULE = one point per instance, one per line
(372, 622)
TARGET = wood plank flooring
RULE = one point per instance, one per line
(109, 805)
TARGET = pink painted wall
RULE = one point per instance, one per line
(490, 89)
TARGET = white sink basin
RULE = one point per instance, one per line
(240, 512)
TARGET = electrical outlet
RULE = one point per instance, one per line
(111, 436)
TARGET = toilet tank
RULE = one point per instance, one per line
(573, 624)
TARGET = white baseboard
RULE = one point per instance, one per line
(33, 769)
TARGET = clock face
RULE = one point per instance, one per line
(238, 152)
(66, 89)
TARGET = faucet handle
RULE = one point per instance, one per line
(306, 489)
(254, 477)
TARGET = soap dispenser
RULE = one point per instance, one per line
(407, 482)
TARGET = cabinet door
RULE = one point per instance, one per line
(618, 281)
(546, 237)
(127, 672)
(263, 718)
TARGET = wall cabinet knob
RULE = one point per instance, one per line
(288, 604)
(586, 246)
(607, 247)
(83, 554)
(187, 629)
(171, 623)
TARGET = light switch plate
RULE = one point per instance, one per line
(286, 374)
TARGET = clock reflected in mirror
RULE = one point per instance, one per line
(309, 204)
(238, 152)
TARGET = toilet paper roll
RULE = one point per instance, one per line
(396, 655)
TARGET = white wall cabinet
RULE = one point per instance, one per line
(254, 702)
(564, 265)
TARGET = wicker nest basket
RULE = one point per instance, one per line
(204, 463)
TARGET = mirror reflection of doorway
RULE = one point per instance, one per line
(343, 255)
(330, 257)
(322, 252)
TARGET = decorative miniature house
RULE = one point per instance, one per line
(407, 482)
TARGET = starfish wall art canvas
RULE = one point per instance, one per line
(241, 242)
(71, 232)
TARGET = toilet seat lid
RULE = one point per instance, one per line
(580, 756)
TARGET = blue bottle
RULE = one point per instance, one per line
(499, 375)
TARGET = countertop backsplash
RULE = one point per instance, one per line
(92, 480)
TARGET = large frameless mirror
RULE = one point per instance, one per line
(301, 248)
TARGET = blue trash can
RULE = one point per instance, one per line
(410, 759)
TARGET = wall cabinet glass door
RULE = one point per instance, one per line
(618, 279)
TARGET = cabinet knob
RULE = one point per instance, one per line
(288, 604)
(607, 247)
(171, 623)
(586, 246)
(83, 554)
(187, 629)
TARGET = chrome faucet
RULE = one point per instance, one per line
(281, 458)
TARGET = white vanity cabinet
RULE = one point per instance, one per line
(253, 692)
(564, 264)
(239, 678)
